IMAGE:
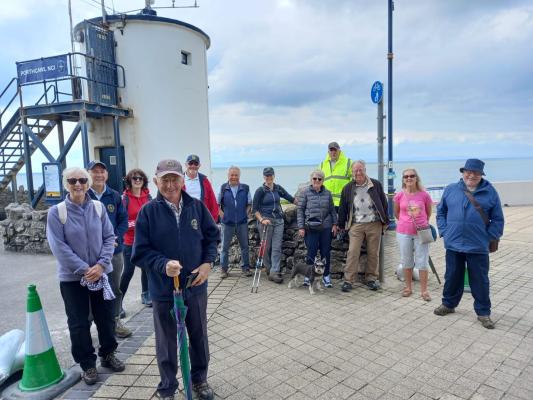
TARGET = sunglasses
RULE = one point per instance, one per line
(317, 179)
(332, 149)
(409, 176)
(192, 163)
(72, 181)
(136, 178)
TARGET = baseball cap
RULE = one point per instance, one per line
(334, 145)
(193, 157)
(268, 171)
(95, 163)
(168, 166)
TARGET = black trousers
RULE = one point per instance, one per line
(166, 341)
(77, 299)
(129, 270)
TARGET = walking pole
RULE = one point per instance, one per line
(259, 262)
(432, 266)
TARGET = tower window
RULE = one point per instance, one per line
(185, 58)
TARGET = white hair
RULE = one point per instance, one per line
(67, 173)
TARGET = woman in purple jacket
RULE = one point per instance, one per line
(82, 239)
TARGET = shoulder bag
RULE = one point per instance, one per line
(425, 233)
(493, 244)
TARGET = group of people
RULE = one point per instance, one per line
(98, 237)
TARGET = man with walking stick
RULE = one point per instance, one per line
(175, 236)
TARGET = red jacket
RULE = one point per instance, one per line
(133, 205)
(207, 196)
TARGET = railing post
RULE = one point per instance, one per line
(84, 138)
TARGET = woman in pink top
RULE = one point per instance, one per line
(412, 208)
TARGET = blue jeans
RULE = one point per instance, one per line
(241, 230)
(272, 257)
(315, 240)
(478, 276)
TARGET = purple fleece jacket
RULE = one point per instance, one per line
(83, 241)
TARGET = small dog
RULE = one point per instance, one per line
(312, 272)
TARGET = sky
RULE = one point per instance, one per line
(286, 77)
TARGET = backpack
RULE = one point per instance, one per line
(62, 210)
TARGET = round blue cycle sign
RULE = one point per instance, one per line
(376, 94)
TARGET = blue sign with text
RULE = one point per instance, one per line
(42, 69)
(376, 94)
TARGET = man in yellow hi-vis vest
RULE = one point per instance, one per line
(337, 169)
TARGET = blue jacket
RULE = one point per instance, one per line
(235, 208)
(118, 215)
(158, 240)
(461, 225)
(83, 241)
(267, 201)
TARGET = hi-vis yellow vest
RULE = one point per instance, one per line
(335, 179)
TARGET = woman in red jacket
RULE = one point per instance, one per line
(135, 196)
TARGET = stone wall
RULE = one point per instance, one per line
(6, 198)
(24, 229)
(293, 247)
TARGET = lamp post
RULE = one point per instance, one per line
(390, 175)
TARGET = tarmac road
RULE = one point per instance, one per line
(17, 271)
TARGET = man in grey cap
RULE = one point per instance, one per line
(337, 169)
(175, 236)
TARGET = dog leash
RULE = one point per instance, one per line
(259, 262)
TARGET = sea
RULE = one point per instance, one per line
(433, 173)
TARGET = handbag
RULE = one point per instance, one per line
(493, 244)
(314, 224)
(425, 233)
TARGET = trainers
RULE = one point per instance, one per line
(112, 362)
(346, 287)
(486, 322)
(306, 281)
(90, 376)
(223, 274)
(275, 277)
(247, 272)
(161, 397)
(120, 329)
(203, 391)
(326, 280)
(443, 310)
(372, 285)
(122, 314)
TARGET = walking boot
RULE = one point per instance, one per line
(120, 329)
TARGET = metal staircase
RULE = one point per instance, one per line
(12, 150)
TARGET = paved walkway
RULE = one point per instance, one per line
(286, 344)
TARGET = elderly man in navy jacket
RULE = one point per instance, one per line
(176, 236)
(119, 219)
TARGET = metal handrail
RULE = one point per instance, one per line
(10, 101)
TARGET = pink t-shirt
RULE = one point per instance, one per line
(412, 204)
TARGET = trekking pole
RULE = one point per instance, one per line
(432, 266)
(259, 262)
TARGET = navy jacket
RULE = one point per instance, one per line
(461, 225)
(118, 215)
(235, 208)
(158, 240)
(267, 201)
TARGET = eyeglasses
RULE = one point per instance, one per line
(469, 172)
(72, 181)
(192, 163)
(409, 176)
(316, 179)
(136, 178)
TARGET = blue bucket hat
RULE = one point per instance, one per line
(473, 164)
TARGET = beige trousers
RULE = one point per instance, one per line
(358, 233)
